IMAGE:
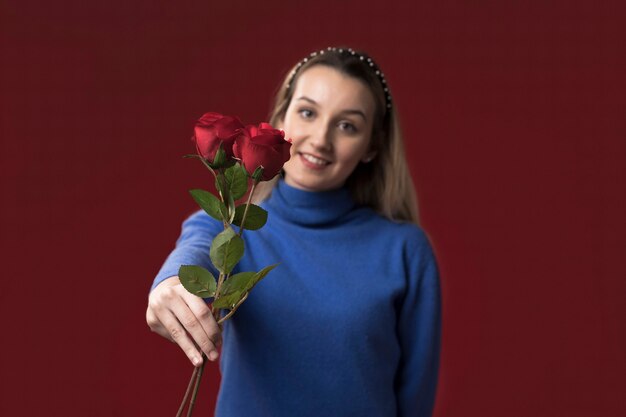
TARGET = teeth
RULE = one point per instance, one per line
(314, 160)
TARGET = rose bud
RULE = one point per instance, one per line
(213, 129)
(262, 146)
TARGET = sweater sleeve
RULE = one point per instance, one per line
(192, 247)
(419, 329)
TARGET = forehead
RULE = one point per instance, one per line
(330, 87)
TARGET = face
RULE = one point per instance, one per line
(330, 120)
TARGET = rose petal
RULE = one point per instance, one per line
(239, 145)
(210, 117)
(268, 140)
(252, 130)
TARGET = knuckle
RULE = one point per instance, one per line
(205, 314)
(205, 344)
(191, 353)
(176, 333)
(189, 322)
(152, 322)
(168, 294)
(156, 301)
(153, 302)
(215, 337)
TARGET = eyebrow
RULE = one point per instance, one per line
(348, 111)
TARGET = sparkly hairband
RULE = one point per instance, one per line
(350, 51)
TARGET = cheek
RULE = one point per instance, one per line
(352, 154)
(295, 134)
(294, 126)
(289, 122)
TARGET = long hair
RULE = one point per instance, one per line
(385, 183)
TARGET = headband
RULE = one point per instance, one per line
(348, 51)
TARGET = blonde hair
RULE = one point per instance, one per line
(385, 183)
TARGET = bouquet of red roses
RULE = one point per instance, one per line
(237, 156)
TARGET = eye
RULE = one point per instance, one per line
(347, 127)
(306, 113)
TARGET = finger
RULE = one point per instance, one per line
(204, 315)
(192, 325)
(180, 337)
(156, 326)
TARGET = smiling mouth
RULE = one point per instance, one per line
(314, 160)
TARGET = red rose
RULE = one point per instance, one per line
(213, 128)
(262, 146)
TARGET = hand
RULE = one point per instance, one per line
(185, 319)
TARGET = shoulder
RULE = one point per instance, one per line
(407, 240)
(417, 248)
(410, 234)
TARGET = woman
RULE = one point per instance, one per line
(348, 324)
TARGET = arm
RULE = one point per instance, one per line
(192, 247)
(419, 329)
(173, 312)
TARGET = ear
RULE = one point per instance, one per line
(368, 157)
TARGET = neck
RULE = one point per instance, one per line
(309, 207)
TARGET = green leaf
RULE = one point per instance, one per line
(237, 180)
(255, 219)
(220, 157)
(219, 182)
(223, 182)
(209, 203)
(237, 286)
(231, 208)
(257, 174)
(261, 274)
(197, 280)
(226, 250)
(222, 188)
(233, 290)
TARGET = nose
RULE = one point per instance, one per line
(321, 137)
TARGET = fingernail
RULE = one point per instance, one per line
(196, 360)
(212, 355)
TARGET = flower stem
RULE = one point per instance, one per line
(218, 184)
(196, 386)
(206, 164)
(231, 312)
(245, 211)
(220, 281)
(196, 377)
(191, 383)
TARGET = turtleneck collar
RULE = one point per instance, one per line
(308, 207)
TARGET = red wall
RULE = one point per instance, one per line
(514, 118)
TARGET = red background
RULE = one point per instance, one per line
(514, 114)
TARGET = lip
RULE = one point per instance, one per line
(310, 164)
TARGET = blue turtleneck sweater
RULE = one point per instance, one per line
(347, 325)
